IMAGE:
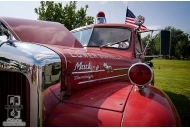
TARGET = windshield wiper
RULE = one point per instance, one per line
(110, 44)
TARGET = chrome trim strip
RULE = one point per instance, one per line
(121, 69)
(102, 79)
(64, 57)
(84, 72)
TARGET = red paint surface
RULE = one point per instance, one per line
(111, 96)
(149, 108)
(76, 115)
(49, 101)
(42, 32)
(100, 105)
(109, 105)
(94, 57)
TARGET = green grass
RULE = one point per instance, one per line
(173, 77)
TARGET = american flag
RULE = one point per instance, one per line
(130, 19)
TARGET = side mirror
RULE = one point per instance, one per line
(165, 42)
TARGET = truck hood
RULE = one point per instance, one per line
(95, 78)
(110, 96)
(43, 32)
(101, 105)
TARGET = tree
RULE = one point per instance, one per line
(176, 37)
(67, 15)
(154, 45)
(180, 45)
(184, 46)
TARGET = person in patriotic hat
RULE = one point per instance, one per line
(100, 17)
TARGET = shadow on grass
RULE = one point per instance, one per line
(182, 104)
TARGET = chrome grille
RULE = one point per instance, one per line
(14, 83)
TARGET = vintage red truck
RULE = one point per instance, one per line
(92, 76)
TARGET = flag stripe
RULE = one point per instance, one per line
(132, 22)
(130, 19)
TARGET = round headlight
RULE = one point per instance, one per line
(140, 74)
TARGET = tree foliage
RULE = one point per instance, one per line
(180, 46)
(154, 44)
(67, 15)
(179, 43)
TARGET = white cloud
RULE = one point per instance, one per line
(103, 2)
(125, 2)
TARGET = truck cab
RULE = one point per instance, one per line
(115, 38)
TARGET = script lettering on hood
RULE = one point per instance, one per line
(81, 66)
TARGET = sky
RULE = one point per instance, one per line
(158, 14)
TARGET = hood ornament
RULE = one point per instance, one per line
(108, 68)
(4, 31)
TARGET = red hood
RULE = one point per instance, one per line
(100, 105)
(111, 96)
(87, 67)
(106, 89)
(42, 32)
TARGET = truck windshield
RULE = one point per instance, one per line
(83, 36)
(104, 35)
(100, 36)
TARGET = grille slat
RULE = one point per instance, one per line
(13, 83)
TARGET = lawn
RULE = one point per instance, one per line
(173, 77)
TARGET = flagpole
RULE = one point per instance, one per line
(109, 9)
(126, 12)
